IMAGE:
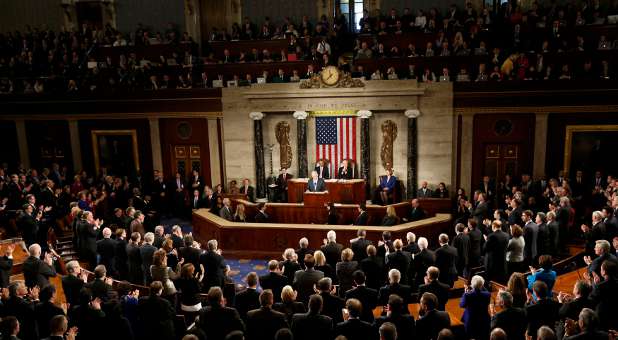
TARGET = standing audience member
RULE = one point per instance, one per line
(475, 302)
(216, 320)
(430, 321)
(36, 271)
(264, 322)
(446, 258)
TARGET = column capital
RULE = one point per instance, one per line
(364, 114)
(300, 115)
(256, 115)
(412, 113)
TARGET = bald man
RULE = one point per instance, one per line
(37, 272)
(106, 249)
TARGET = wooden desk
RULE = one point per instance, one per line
(340, 191)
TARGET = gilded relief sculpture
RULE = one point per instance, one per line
(282, 131)
(389, 134)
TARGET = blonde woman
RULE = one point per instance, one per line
(391, 217)
(321, 265)
(344, 270)
(240, 216)
(288, 305)
(290, 264)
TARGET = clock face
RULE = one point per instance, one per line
(330, 75)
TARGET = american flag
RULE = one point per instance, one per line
(335, 140)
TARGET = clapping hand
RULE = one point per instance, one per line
(49, 259)
(72, 333)
(34, 292)
(96, 304)
(588, 260)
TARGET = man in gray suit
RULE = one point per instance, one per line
(305, 280)
(424, 191)
(226, 210)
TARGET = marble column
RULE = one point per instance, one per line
(365, 147)
(260, 175)
(155, 144)
(76, 149)
(22, 143)
(301, 143)
(412, 180)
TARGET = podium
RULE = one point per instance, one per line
(350, 191)
(316, 199)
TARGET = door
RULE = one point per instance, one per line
(501, 159)
(185, 159)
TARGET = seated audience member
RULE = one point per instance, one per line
(441, 191)
(274, 280)
(430, 321)
(303, 249)
(46, 310)
(424, 191)
(573, 304)
(475, 302)
(399, 260)
(394, 287)
(588, 325)
(542, 313)
(373, 267)
(264, 322)
(248, 299)
(239, 215)
(511, 319)
(304, 280)
(261, 216)
(434, 286)
(331, 303)
(247, 190)
(290, 264)
(605, 295)
(446, 257)
(391, 217)
(387, 185)
(216, 320)
(359, 245)
(497, 334)
(545, 274)
(416, 212)
(156, 314)
(367, 296)
(36, 271)
(362, 217)
(404, 323)
(344, 271)
(312, 325)
(226, 211)
(333, 216)
(288, 305)
(352, 326)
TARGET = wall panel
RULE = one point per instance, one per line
(49, 142)
(279, 9)
(16, 14)
(155, 14)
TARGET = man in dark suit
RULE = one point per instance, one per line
(88, 229)
(423, 191)
(304, 280)
(423, 260)
(106, 248)
(247, 190)
(214, 264)
(461, 242)
(476, 243)
(189, 253)
(6, 265)
(588, 325)
(303, 249)
(605, 295)
(399, 260)
(404, 323)
(362, 217)
(248, 299)
(367, 296)
(431, 321)
(394, 287)
(359, 245)
(598, 231)
(544, 312)
(573, 305)
(261, 216)
(101, 286)
(322, 170)
(156, 314)
(332, 249)
(446, 257)
(196, 201)
(373, 267)
(134, 260)
(416, 212)
(46, 310)
(273, 280)
(495, 253)
(511, 319)
(21, 307)
(263, 323)
(515, 216)
(315, 183)
(28, 223)
(226, 210)
(531, 233)
(353, 327)
(480, 211)
(487, 187)
(226, 319)
(146, 252)
(37, 272)
(602, 250)
(345, 172)
(73, 283)
(178, 192)
(282, 184)
(312, 325)
(553, 234)
(434, 286)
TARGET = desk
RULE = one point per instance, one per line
(339, 191)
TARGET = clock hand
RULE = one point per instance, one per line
(332, 74)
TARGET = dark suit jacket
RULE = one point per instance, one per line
(368, 298)
(589, 335)
(446, 257)
(106, 248)
(325, 172)
(361, 219)
(424, 193)
(44, 312)
(423, 260)
(332, 252)
(136, 273)
(72, 285)
(512, 321)
(24, 312)
(404, 323)
(461, 242)
(531, 233)
(476, 245)
(572, 308)
(250, 192)
(312, 326)
(283, 183)
(605, 296)
(356, 329)
(319, 186)
(191, 255)
(346, 175)
(248, 299)
(439, 289)
(261, 217)
(359, 247)
(403, 291)
(495, 255)
(157, 316)
(99, 289)
(401, 261)
(214, 264)
(331, 306)
(6, 265)
(429, 325)
(217, 322)
(146, 251)
(480, 212)
(37, 272)
(304, 281)
(416, 214)
(274, 282)
(263, 323)
(374, 271)
(543, 313)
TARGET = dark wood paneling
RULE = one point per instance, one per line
(49, 142)
(9, 153)
(522, 134)
(198, 137)
(142, 128)
(556, 131)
